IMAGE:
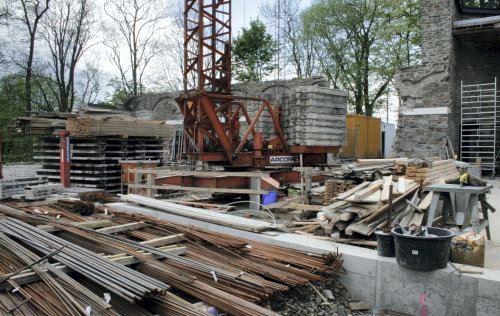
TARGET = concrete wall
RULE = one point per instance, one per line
(378, 280)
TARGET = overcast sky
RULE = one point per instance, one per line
(246, 10)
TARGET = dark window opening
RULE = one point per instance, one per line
(489, 7)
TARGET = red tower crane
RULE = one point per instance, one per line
(212, 128)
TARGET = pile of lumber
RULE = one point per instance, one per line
(333, 187)
(368, 169)
(37, 125)
(365, 208)
(432, 171)
(87, 126)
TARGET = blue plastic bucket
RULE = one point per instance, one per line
(269, 198)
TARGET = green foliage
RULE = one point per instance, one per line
(253, 52)
(361, 44)
(16, 147)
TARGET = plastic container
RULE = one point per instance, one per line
(421, 252)
(269, 198)
(385, 244)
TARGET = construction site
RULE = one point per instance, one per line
(266, 197)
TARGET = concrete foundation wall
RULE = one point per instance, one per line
(378, 280)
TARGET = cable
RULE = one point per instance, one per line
(261, 205)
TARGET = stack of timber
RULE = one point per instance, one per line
(88, 126)
(38, 125)
(432, 171)
(334, 187)
(95, 160)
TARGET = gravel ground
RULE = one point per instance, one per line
(304, 301)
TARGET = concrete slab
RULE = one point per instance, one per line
(492, 258)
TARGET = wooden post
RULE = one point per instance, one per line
(389, 207)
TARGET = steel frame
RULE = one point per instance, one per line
(211, 114)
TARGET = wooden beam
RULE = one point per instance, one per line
(163, 241)
(196, 189)
(200, 173)
(88, 224)
(30, 276)
(121, 228)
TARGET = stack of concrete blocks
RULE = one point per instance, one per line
(316, 117)
(12, 187)
(312, 114)
(40, 192)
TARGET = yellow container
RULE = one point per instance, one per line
(364, 137)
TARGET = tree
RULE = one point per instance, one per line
(31, 13)
(297, 49)
(361, 44)
(15, 147)
(138, 25)
(68, 31)
(253, 52)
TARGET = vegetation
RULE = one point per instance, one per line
(253, 52)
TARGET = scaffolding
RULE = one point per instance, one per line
(479, 127)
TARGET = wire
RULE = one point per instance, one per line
(261, 205)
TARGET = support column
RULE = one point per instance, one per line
(65, 159)
(255, 185)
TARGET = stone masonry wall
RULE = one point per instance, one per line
(426, 90)
(431, 92)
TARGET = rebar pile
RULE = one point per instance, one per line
(229, 273)
(123, 281)
(53, 296)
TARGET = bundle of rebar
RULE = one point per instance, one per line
(123, 281)
(68, 296)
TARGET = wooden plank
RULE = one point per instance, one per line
(163, 241)
(396, 201)
(305, 207)
(374, 187)
(385, 188)
(88, 224)
(30, 276)
(352, 191)
(201, 214)
(196, 189)
(158, 172)
(122, 228)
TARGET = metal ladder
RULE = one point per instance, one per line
(478, 133)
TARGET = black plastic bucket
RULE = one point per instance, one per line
(421, 252)
(385, 244)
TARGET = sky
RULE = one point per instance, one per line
(246, 10)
